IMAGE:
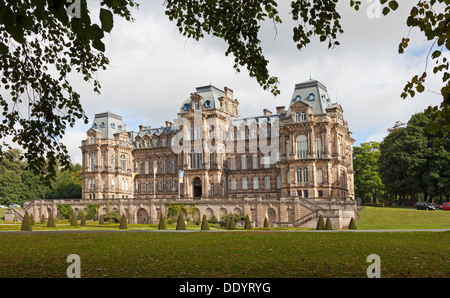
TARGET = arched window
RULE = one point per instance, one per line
(311, 97)
(297, 117)
(303, 116)
(123, 163)
(302, 146)
(319, 148)
(93, 161)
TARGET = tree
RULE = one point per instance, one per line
(205, 225)
(266, 222)
(368, 184)
(42, 219)
(162, 222)
(101, 220)
(42, 42)
(248, 224)
(320, 223)
(26, 224)
(232, 225)
(65, 210)
(123, 222)
(328, 225)
(181, 225)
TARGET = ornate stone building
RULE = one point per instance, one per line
(289, 166)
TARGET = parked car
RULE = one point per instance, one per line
(438, 207)
(446, 206)
(13, 205)
(424, 206)
(3, 207)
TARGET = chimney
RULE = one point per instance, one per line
(281, 109)
(228, 92)
(267, 112)
(168, 123)
(142, 127)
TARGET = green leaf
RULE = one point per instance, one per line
(99, 45)
(106, 17)
(393, 5)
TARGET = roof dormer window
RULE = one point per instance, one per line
(113, 125)
(186, 107)
(298, 98)
(311, 97)
(207, 104)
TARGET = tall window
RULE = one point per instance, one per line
(267, 182)
(302, 146)
(278, 182)
(319, 175)
(244, 183)
(93, 162)
(288, 150)
(297, 117)
(146, 168)
(113, 183)
(255, 183)
(173, 166)
(211, 160)
(164, 167)
(233, 183)
(266, 161)
(138, 168)
(305, 175)
(123, 163)
(299, 175)
(319, 148)
(255, 161)
(233, 162)
(303, 116)
(244, 162)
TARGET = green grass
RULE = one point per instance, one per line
(373, 218)
(229, 254)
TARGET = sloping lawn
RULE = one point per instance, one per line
(373, 218)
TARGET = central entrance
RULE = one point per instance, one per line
(197, 184)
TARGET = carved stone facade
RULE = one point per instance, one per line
(290, 166)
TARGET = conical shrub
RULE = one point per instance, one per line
(266, 222)
(123, 222)
(73, 220)
(352, 225)
(101, 220)
(162, 222)
(205, 225)
(232, 223)
(328, 225)
(43, 219)
(248, 224)
(227, 223)
(26, 223)
(31, 219)
(181, 225)
(320, 223)
(83, 219)
(51, 222)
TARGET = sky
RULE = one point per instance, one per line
(153, 69)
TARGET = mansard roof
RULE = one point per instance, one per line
(312, 93)
(108, 124)
(210, 98)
